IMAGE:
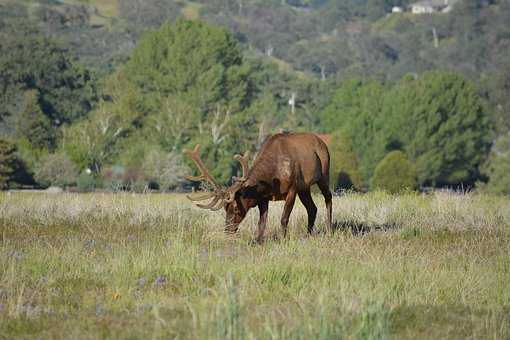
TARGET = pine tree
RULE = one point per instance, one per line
(33, 125)
(443, 125)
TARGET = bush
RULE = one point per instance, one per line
(166, 169)
(55, 170)
(112, 178)
(86, 182)
(395, 173)
(345, 173)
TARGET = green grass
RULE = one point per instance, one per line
(153, 266)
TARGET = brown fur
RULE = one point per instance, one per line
(287, 165)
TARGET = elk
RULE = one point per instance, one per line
(287, 165)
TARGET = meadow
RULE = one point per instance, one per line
(88, 266)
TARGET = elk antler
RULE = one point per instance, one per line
(218, 194)
(204, 173)
(239, 181)
(244, 164)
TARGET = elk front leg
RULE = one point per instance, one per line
(289, 204)
(263, 210)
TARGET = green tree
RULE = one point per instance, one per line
(395, 173)
(498, 166)
(8, 163)
(194, 87)
(344, 164)
(33, 125)
(30, 61)
(194, 60)
(95, 141)
(355, 111)
(443, 125)
(438, 119)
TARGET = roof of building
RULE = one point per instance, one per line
(432, 3)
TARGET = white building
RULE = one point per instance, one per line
(432, 6)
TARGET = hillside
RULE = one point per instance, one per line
(70, 65)
(326, 38)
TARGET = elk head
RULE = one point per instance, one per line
(233, 199)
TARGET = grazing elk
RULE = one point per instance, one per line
(287, 165)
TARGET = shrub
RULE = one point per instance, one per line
(395, 173)
(134, 179)
(55, 170)
(86, 182)
(165, 169)
(345, 173)
(112, 178)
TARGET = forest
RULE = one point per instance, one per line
(105, 94)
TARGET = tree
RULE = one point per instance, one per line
(30, 61)
(194, 87)
(443, 125)
(344, 164)
(355, 111)
(8, 163)
(395, 173)
(33, 125)
(498, 166)
(437, 119)
(191, 59)
(95, 141)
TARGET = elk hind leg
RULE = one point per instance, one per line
(311, 208)
(324, 186)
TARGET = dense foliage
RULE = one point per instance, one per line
(344, 171)
(442, 124)
(498, 167)
(437, 119)
(61, 88)
(90, 80)
(8, 162)
(56, 170)
(395, 173)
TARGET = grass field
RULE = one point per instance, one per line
(152, 266)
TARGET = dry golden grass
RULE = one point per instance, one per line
(139, 266)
